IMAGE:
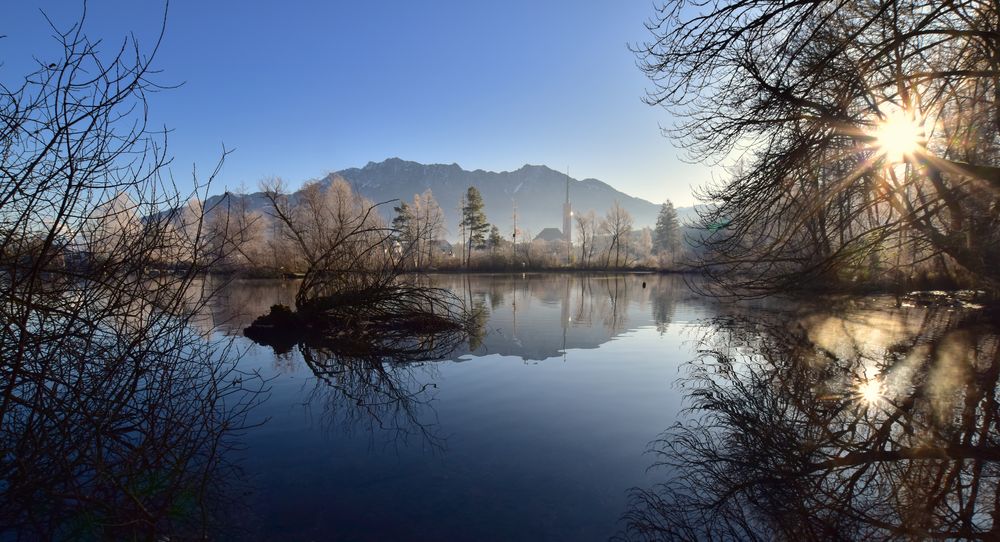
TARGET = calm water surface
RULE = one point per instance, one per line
(857, 418)
(535, 430)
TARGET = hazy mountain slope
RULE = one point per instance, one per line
(538, 191)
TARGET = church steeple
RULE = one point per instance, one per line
(567, 229)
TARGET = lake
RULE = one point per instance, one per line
(849, 417)
(537, 430)
(577, 407)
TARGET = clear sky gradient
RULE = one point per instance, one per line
(300, 89)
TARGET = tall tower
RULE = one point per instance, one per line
(568, 218)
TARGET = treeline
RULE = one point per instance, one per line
(294, 228)
(256, 243)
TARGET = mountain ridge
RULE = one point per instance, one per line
(538, 190)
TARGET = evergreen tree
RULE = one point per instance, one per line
(404, 227)
(495, 238)
(474, 221)
(667, 235)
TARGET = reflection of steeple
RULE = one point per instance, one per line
(513, 308)
(546, 316)
(564, 314)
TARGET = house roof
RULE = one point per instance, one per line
(550, 234)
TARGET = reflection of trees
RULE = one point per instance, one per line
(664, 299)
(238, 302)
(792, 435)
(614, 309)
(476, 324)
(498, 291)
(369, 379)
(115, 414)
(112, 436)
(369, 391)
(585, 306)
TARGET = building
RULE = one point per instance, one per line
(549, 235)
(567, 217)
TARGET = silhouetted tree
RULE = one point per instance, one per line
(866, 134)
(115, 412)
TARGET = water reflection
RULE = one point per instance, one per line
(531, 316)
(379, 393)
(856, 422)
(538, 317)
(385, 384)
(118, 424)
(525, 430)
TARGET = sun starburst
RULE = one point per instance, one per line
(900, 135)
(871, 391)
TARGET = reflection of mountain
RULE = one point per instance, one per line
(533, 316)
(241, 301)
(540, 316)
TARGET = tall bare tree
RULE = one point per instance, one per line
(617, 227)
(867, 134)
(429, 225)
(586, 227)
(105, 384)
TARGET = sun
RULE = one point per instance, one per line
(899, 135)
(871, 391)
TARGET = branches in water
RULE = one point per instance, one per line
(354, 281)
(876, 423)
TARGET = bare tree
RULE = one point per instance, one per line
(429, 226)
(866, 134)
(236, 234)
(345, 243)
(644, 246)
(353, 280)
(102, 370)
(586, 227)
(617, 226)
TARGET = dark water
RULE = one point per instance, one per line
(581, 408)
(536, 432)
(836, 418)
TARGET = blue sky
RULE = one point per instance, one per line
(300, 89)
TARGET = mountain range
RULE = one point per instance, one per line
(537, 191)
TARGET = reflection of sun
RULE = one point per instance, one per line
(870, 391)
(899, 135)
